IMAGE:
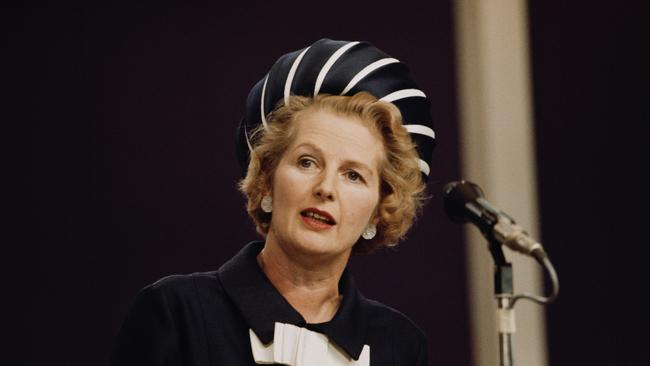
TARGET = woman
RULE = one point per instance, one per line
(331, 170)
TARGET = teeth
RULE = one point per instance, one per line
(317, 216)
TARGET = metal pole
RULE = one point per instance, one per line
(503, 291)
(506, 328)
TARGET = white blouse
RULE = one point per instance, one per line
(297, 346)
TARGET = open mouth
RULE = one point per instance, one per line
(319, 216)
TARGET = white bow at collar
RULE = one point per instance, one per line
(297, 346)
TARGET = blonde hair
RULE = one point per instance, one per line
(401, 193)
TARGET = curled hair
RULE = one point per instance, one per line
(401, 187)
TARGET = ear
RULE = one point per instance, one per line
(267, 189)
(374, 219)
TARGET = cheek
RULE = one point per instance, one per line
(288, 187)
(361, 206)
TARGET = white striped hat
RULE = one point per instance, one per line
(340, 68)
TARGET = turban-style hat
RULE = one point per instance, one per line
(340, 68)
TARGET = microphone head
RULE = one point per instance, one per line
(456, 196)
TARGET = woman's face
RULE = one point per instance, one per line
(326, 186)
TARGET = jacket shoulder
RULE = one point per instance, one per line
(183, 283)
(164, 318)
(398, 321)
(409, 342)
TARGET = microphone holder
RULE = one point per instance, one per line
(506, 299)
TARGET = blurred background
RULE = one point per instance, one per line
(119, 124)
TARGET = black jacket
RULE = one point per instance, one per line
(204, 319)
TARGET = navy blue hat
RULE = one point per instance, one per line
(340, 68)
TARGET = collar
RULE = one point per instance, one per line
(262, 305)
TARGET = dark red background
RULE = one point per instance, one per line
(592, 111)
(121, 168)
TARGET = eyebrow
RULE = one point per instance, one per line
(352, 163)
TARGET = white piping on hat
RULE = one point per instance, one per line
(262, 103)
(404, 93)
(424, 167)
(292, 73)
(330, 62)
(421, 130)
(367, 70)
(250, 147)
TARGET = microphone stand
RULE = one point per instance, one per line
(465, 202)
(506, 299)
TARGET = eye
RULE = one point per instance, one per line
(305, 162)
(354, 176)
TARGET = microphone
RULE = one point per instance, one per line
(464, 201)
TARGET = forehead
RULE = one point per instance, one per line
(343, 136)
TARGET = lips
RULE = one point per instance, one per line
(318, 216)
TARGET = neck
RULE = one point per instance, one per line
(310, 285)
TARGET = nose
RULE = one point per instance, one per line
(325, 187)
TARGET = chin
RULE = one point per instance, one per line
(320, 245)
